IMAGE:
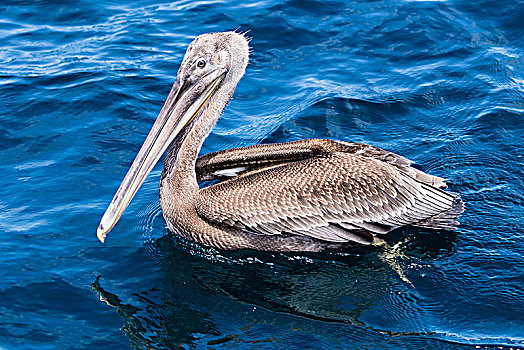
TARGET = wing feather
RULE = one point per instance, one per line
(335, 197)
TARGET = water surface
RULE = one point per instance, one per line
(439, 82)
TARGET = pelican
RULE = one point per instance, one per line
(307, 195)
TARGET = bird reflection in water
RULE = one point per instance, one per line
(343, 288)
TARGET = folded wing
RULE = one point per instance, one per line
(332, 196)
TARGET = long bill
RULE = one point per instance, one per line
(182, 105)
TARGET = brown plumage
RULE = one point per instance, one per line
(306, 195)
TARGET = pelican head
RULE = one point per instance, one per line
(211, 69)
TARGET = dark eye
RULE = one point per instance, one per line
(201, 63)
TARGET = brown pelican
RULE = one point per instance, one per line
(306, 195)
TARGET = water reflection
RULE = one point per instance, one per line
(160, 320)
(203, 292)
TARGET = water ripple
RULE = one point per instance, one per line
(439, 82)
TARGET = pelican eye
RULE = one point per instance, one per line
(201, 63)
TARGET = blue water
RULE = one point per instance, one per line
(439, 82)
